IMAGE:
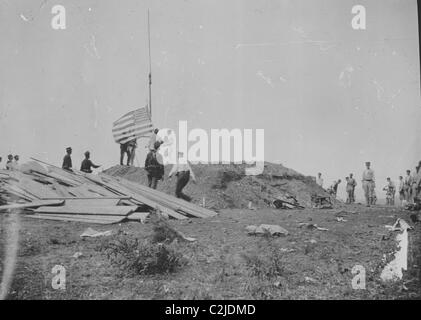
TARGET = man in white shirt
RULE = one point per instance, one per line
(183, 171)
(390, 192)
(416, 180)
(319, 180)
(368, 183)
(401, 190)
(152, 139)
(407, 185)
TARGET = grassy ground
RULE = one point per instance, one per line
(225, 262)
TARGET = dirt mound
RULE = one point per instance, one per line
(227, 186)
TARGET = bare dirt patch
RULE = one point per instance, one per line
(225, 262)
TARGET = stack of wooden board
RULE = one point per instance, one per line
(83, 197)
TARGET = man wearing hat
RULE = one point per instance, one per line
(153, 139)
(353, 184)
(369, 184)
(154, 166)
(407, 185)
(9, 163)
(183, 172)
(416, 181)
(87, 164)
(67, 160)
(16, 162)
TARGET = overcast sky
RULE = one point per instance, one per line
(329, 97)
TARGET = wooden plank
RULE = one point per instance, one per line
(86, 192)
(35, 188)
(33, 204)
(110, 181)
(166, 197)
(100, 190)
(18, 191)
(87, 198)
(142, 199)
(60, 190)
(113, 211)
(83, 219)
(30, 166)
(168, 200)
(59, 178)
(92, 202)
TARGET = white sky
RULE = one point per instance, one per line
(329, 97)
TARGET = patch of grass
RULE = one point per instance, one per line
(142, 257)
(265, 271)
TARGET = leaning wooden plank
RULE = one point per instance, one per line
(167, 200)
(60, 190)
(62, 179)
(142, 199)
(165, 197)
(35, 188)
(30, 166)
(92, 202)
(86, 210)
(18, 190)
(85, 192)
(66, 174)
(153, 199)
(84, 217)
(100, 190)
(87, 198)
(76, 219)
(33, 204)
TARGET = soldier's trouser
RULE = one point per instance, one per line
(183, 178)
(368, 187)
(407, 191)
(414, 192)
(152, 181)
(349, 193)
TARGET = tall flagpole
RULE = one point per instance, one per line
(150, 68)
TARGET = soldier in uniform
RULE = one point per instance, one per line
(67, 160)
(368, 183)
(87, 164)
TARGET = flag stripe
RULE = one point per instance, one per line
(132, 136)
(140, 123)
(132, 125)
(135, 135)
(131, 131)
(131, 117)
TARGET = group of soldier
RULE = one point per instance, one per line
(86, 165)
(154, 165)
(12, 161)
(409, 188)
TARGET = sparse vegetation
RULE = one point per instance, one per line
(265, 269)
(158, 255)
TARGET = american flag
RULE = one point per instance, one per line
(133, 125)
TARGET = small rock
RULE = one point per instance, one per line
(310, 280)
(77, 255)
